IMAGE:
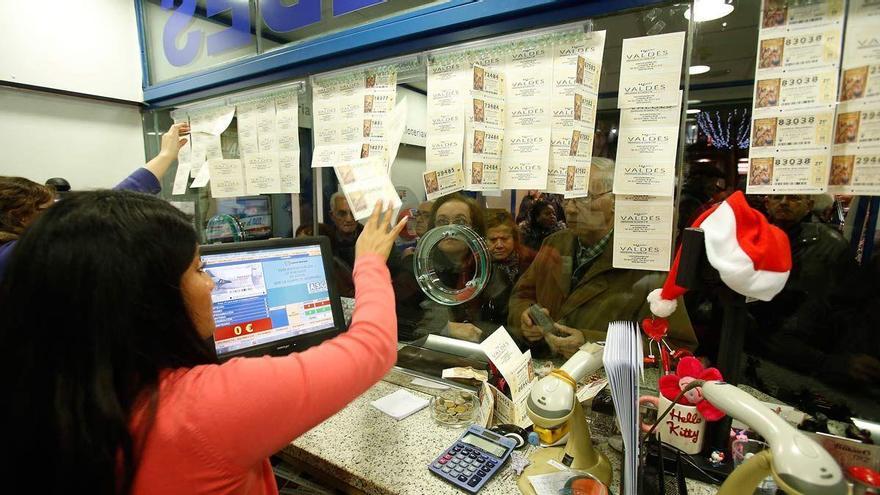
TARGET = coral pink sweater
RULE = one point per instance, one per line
(216, 425)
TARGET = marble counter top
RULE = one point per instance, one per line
(376, 454)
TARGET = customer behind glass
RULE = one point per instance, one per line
(23, 200)
(525, 206)
(541, 223)
(509, 260)
(455, 266)
(793, 328)
(346, 228)
(572, 278)
(113, 383)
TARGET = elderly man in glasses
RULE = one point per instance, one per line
(573, 280)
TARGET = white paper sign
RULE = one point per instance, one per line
(526, 159)
(287, 122)
(857, 124)
(646, 161)
(783, 15)
(247, 128)
(288, 168)
(397, 126)
(227, 178)
(796, 91)
(809, 49)
(334, 154)
(650, 70)
(262, 173)
(643, 232)
(487, 81)
(483, 174)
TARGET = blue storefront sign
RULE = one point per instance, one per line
(278, 16)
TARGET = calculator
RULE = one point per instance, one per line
(474, 458)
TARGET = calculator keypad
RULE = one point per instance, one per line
(465, 464)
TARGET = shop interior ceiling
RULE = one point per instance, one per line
(727, 45)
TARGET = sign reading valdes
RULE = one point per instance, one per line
(643, 232)
(650, 70)
(644, 175)
(646, 148)
(529, 87)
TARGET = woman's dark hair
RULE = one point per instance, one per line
(20, 200)
(478, 223)
(537, 207)
(91, 311)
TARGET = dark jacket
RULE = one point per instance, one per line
(792, 329)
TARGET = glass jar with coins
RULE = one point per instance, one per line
(454, 408)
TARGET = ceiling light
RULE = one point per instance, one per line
(704, 160)
(698, 69)
(744, 160)
(694, 102)
(708, 10)
(692, 111)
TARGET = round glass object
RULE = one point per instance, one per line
(452, 264)
(224, 228)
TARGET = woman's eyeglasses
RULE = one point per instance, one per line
(461, 220)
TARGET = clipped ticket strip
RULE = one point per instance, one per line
(643, 232)
(268, 142)
(576, 59)
(484, 131)
(647, 143)
(450, 80)
(855, 161)
(796, 78)
(577, 66)
(352, 116)
(365, 181)
(648, 136)
(528, 87)
(203, 145)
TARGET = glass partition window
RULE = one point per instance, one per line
(524, 205)
(809, 346)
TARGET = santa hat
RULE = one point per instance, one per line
(752, 256)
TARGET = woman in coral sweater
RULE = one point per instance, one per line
(111, 380)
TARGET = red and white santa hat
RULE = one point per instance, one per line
(752, 256)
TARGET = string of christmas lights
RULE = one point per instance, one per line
(719, 132)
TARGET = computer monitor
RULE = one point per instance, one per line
(272, 297)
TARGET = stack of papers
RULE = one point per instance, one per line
(400, 404)
(624, 368)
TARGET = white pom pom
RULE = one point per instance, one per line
(659, 306)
